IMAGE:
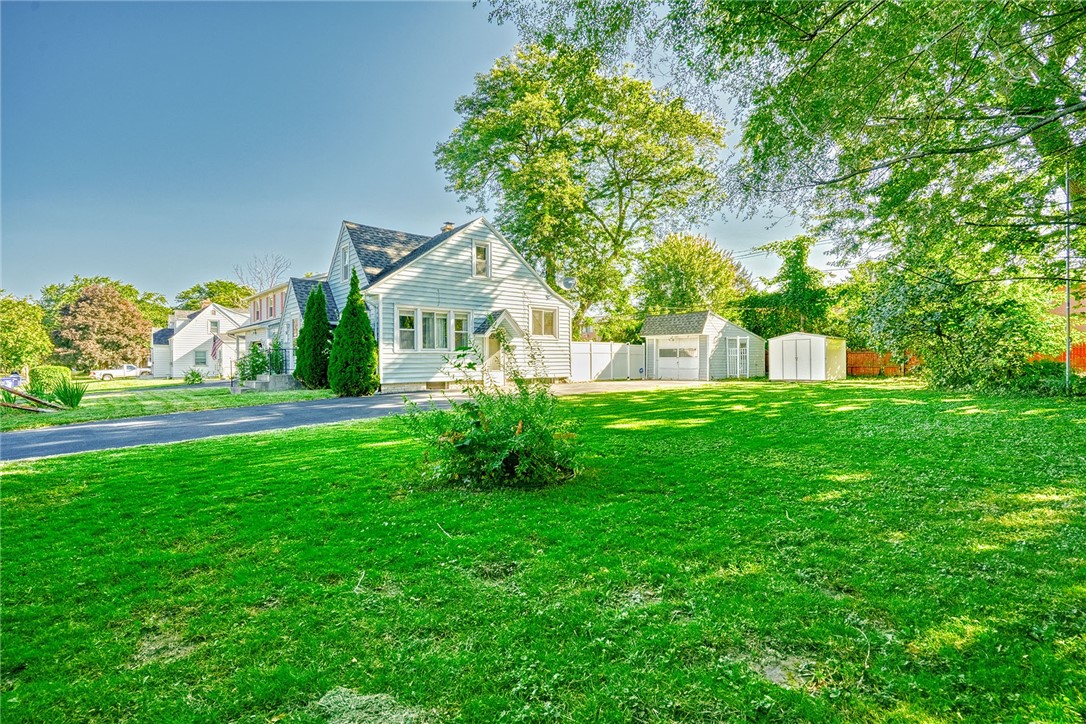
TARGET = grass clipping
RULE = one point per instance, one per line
(346, 706)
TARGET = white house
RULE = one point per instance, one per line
(700, 346)
(197, 340)
(428, 296)
(807, 356)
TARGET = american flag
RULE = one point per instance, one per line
(216, 343)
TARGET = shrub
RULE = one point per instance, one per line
(352, 363)
(69, 393)
(50, 375)
(1044, 377)
(253, 364)
(514, 436)
(41, 389)
(314, 342)
(193, 377)
(276, 361)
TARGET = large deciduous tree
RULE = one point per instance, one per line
(352, 363)
(24, 341)
(314, 342)
(220, 291)
(101, 328)
(900, 123)
(684, 272)
(797, 300)
(55, 297)
(581, 166)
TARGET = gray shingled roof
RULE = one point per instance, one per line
(161, 336)
(675, 324)
(383, 251)
(483, 324)
(301, 289)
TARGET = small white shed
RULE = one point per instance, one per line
(700, 346)
(806, 356)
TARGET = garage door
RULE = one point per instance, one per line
(677, 361)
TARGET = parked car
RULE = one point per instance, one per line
(11, 381)
(122, 371)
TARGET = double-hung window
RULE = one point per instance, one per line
(461, 331)
(481, 259)
(213, 326)
(435, 330)
(407, 330)
(544, 322)
(201, 357)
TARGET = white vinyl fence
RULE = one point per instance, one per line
(591, 361)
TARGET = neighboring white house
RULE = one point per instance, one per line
(265, 315)
(197, 340)
(700, 346)
(428, 296)
(807, 356)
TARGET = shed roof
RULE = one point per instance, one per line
(673, 325)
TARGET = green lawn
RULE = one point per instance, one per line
(148, 383)
(150, 402)
(855, 551)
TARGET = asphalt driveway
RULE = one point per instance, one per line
(181, 426)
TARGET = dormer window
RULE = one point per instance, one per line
(481, 257)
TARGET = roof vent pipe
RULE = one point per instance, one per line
(447, 226)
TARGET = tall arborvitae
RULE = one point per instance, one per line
(352, 365)
(314, 342)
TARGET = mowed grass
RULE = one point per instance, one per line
(844, 552)
(139, 383)
(139, 403)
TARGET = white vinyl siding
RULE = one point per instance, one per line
(443, 279)
(727, 358)
(194, 335)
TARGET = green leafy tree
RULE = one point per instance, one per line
(352, 363)
(220, 291)
(966, 334)
(314, 342)
(798, 300)
(920, 125)
(581, 165)
(24, 341)
(684, 273)
(101, 328)
(55, 297)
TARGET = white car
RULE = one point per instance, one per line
(122, 371)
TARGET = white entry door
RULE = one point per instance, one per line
(677, 360)
(796, 360)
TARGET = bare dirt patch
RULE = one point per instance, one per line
(789, 672)
(346, 706)
(161, 647)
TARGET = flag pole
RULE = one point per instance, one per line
(1067, 288)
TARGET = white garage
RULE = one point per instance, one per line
(804, 356)
(700, 346)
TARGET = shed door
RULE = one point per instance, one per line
(796, 359)
(677, 360)
(737, 351)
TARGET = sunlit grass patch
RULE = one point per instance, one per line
(740, 551)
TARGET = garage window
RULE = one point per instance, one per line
(669, 352)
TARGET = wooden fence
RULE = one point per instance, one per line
(1078, 357)
(865, 363)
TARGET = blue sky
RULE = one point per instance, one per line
(161, 143)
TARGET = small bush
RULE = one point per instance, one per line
(193, 377)
(1044, 377)
(69, 393)
(276, 360)
(513, 436)
(49, 375)
(41, 387)
(253, 364)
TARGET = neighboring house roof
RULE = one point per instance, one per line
(674, 325)
(161, 336)
(383, 251)
(301, 288)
